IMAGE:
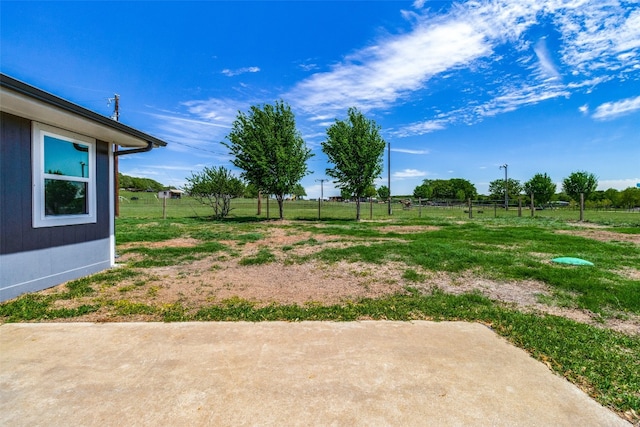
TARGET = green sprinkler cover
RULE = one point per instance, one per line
(571, 261)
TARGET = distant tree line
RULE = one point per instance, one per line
(540, 185)
(133, 183)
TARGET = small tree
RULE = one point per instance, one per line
(630, 197)
(496, 188)
(424, 190)
(542, 188)
(370, 192)
(298, 192)
(251, 191)
(579, 182)
(269, 149)
(383, 192)
(355, 148)
(215, 187)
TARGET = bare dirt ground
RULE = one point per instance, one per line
(220, 278)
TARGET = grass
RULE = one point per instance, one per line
(505, 248)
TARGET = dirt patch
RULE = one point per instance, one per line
(410, 229)
(603, 235)
(182, 242)
(220, 277)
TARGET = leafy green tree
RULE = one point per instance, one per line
(446, 189)
(383, 192)
(613, 195)
(355, 148)
(138, 184)
(250, 191)
(345, 194)
(215, 187)
(424, 190)
(269, 149)
(370, 192)
(542, 188)
(630, 197)
(299, 191)
(579, 182)
(496, 188)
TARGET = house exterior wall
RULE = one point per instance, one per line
(31, 258)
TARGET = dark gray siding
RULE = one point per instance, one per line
(16, 226)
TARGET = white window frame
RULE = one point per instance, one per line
(40, 219)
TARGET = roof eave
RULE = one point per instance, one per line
(24, 100)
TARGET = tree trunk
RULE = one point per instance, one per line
(357, 208)
(280, 198)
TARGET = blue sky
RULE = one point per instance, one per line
(459, 88)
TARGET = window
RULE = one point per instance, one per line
(64, 189)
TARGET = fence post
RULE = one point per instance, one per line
(533, 208)
(495, 210)
(319, 198)
(581, 207)
(164, 207)
(370, 208)
(519, 206)
(470, 208)
(268, 206)
(419, 207)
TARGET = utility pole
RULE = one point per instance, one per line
(506, 187)
(116, 182)
(322, 180)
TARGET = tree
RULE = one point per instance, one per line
(355, 148)
(298, 191)
(613, 195)
(424, 190)
(383, 192)
(463, 189)
(345, 194)
(446, 189)
(269, 149)
(579, 182)
(630, 197)
(250, 191)
(215, 187)
(370, 192)
(542, 188)
(138, 184)
(496, 189)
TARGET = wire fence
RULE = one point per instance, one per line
(148, 206)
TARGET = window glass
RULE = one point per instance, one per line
(64, 178)
(63, 197)
(65, 157)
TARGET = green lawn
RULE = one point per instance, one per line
(502, 248)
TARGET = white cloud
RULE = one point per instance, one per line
(597, 39)
(409, 173)
(599, 35)
(199, 127)
(547, 67)
(407, 151)
(584, 109)
(419, 128)
(230, 73)
(379, 75)
(418, 3)
(611, 110)
(618, 184)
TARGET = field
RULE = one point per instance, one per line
(420, 263)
